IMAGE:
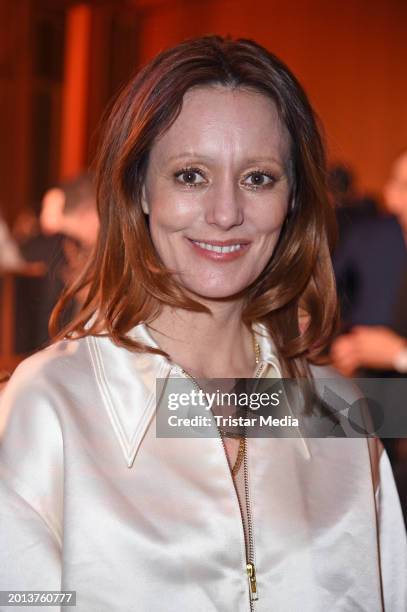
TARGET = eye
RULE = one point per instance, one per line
(257, 178)
(191, 177)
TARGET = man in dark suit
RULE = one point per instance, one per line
(371, 270)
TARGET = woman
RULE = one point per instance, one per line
(214, 230)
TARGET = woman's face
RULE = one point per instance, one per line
(217, 190)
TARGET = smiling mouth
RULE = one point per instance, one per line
(220, 251)
(228, 246)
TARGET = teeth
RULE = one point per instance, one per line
(218, 249)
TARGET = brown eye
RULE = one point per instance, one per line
(190, 177)
(258, 179)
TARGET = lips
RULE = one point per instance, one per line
(220, 250)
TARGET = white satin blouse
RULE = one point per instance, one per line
(91, 500)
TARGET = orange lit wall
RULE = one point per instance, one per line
(350, 56)
(75, 92)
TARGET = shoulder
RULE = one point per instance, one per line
(348, 401)
(42, 382)
(32, 432)
(50, 361)
(345, 400)
(76, 376)
(36, 406)
(63, 362)
(54, 363)
(329, 381)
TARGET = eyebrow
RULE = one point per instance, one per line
(265, 159)
(252, 160)
(188, 154)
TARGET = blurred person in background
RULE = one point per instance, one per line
(351, 206)
(10, 256)
(70, 210)
(372, 260)
(77, 218)
(374, 257)
(36, 297)
(381, 352)
(370, 347)
(25, 226)
(52, 206)
(77, 221)
(62, 241)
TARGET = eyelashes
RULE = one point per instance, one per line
(190, 175)
(193, 177)
(262, 178)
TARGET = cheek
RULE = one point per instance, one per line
(169, 217)
(270, 218)
(172, 212)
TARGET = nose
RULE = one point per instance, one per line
(225, 205)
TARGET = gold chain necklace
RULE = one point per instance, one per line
(242, 439)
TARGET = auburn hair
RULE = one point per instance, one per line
(126, 281)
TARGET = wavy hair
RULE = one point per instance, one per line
(127, 282)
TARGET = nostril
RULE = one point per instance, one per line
(225, 216)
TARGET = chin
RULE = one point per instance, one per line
(217, 292)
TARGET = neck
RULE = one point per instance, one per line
(216, 345)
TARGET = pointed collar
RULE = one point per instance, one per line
(127, 382)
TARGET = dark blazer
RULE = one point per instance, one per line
(370, 264)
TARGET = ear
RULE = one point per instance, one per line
(144, 203)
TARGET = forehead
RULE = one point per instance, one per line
(216, 120)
